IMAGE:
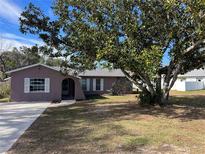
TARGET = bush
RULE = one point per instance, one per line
(145, 99)
(121, 86)
(4, 90)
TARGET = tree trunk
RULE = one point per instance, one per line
(165, 98)
(160, 96)
(148, 98)
(165, 94)
(158, 89)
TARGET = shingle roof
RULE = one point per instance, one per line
(99, 72)
(194, 73)
(94, 73)
(103, 72)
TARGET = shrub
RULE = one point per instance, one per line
(4, 90)
(121, 86)
(144, 98)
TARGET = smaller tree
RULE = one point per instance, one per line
(53, 61)
(18, 58)
(31, 55)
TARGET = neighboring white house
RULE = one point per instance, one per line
(193, 80)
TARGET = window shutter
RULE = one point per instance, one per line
(81, 82)
(47, 85)
(88, 84)
(94, 84)
(101, 84)
(26, 85)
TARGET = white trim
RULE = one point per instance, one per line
(87, 84)
(37, 92)
(30, 66)
(101, 84)
(26, 85)
(94, 84)
(47, 85)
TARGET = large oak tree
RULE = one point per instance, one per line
(133, 35)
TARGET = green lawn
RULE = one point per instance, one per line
(4, 100)
(117, 124)
(193, 92)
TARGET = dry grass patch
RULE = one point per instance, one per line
(193, 92)
(4, 100)
(116, 124)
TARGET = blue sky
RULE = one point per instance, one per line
(10, 11)
(10, 36)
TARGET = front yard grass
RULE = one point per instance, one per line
(4, 100)
(192, 92)
(117, 124)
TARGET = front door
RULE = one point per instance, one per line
(68, 89)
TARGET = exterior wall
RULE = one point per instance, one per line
(188, 84)
(191, 79)
(56, 78)
(194, 85)
(108, 82)
(179, 85)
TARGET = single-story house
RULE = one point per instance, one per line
(193, 80)
(40, 82)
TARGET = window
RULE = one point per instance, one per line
(37, 85)
(84, 84)
(98, 84)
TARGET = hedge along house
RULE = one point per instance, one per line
(40, 82)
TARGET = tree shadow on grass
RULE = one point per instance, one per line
(88, 127)
(94, 97)
(189, 101)
(184, 108)
(70, 130)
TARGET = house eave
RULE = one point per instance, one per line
(30, 66)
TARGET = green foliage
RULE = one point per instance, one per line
(130, 35)
(4, 90)
(145, 99)
(25, 56)
(121, 86)
(150, 60)
(4, 100)
(53, 61)
(19, 57)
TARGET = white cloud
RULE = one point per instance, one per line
(9, 11)
(9, 44)
(20, 38)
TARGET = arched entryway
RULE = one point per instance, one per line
(68, 89)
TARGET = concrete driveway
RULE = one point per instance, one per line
(15, 118)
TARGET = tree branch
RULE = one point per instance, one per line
(175, 75)
(189, 49)
(129, 77)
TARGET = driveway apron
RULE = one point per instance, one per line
(15, 118)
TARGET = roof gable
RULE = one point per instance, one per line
(86, 73)
(31, 66)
